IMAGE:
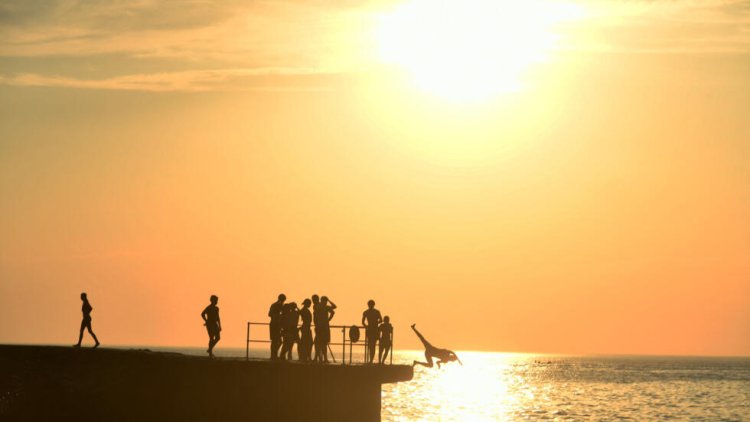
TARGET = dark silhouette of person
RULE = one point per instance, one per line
(212, 322)
(430, 351)
(275, 326)
(304, 347)
(316, 320)
(371, 319)
(322, 315)
(289, 322)
(386, 339)
(86, 309)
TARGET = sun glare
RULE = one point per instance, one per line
(470, 50)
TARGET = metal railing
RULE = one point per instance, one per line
(343, 343)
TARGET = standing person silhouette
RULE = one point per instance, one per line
(275, 326)
(430, 351)
(371, 319)
(212, 322)
(386, 339)
(316, 320)
(289, 321)
(324, 314)
(304, 348)
(86, 309)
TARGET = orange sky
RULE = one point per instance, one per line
(155, 157)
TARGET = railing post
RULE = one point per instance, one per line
(247, 344)
(343, 346)
(391, 351)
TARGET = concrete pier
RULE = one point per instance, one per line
(59, 383)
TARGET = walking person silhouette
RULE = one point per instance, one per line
(212, 322)
(275, 326)
(430, 351)
(86, 309)
(371, 319)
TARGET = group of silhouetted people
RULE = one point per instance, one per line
(285, 330)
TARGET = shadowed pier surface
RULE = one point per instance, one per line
(47, 382)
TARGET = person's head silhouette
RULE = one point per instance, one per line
(315, 299)
(370, 303)
(282, 298)
(306, 303)
(84, 297)
(214, 299)
(324, 300)
(386, 319)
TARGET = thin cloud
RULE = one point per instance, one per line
(690, 26)
(200, 45)
(191, 81)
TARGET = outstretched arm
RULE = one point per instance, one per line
(330, 302)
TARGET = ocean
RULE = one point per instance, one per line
(501, 386)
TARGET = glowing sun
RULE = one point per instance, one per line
(470, 49)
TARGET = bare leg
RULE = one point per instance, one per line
(371, 341)
(80, 334)
(383, 352)
(94, 336)
(88, 326)
(425, 343)
(282, 355)
(217, 337)
(316, 344)
(429, 361)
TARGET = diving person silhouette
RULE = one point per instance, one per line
(430, 351)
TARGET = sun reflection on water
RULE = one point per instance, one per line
(496, 386)
(475, 391)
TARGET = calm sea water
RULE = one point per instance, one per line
(497, 386)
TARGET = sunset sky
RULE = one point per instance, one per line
(521, 176)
